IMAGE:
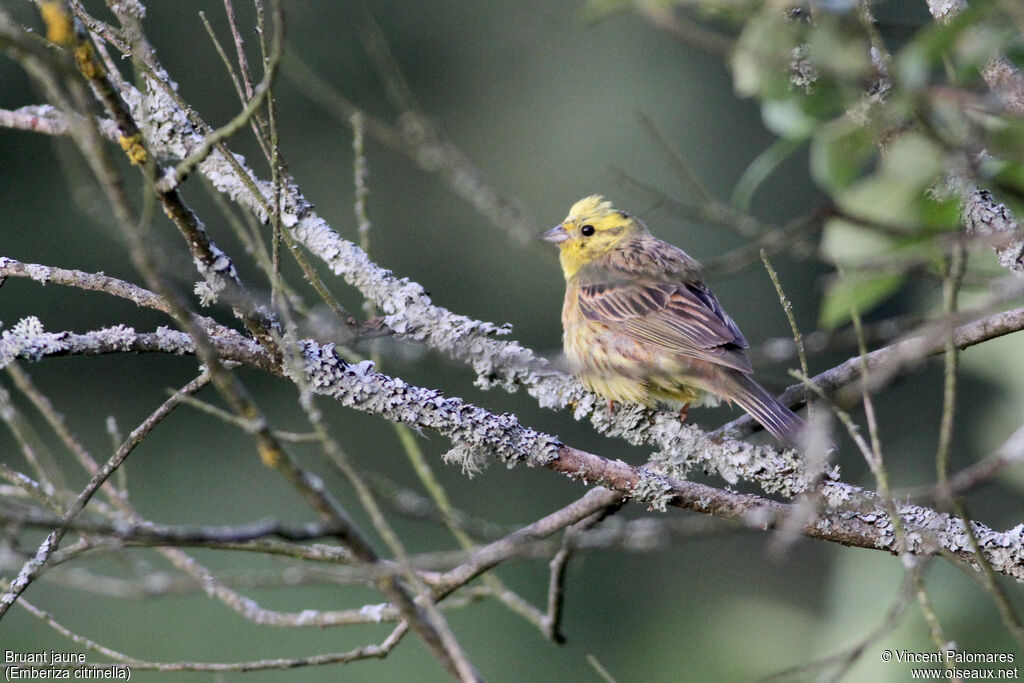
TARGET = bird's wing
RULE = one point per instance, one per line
(680, 317)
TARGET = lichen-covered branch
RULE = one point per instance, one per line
(408, 311)
(851, 516)
(982, 214)
(82, 280)
(28, 341)
(888, 361)
(992, 220)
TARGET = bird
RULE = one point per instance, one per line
(640, 326)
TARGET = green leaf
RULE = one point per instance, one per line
(941, 215)
(920, 60)
(759, 169)
(840, 152)
(787, 119)
(1005, 138)
(857, 290)
(762, 55)
(849, 244)
(895, 194)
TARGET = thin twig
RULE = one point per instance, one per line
(36, 564)
(682, 169)
(365, 652)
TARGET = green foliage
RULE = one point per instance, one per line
(840, 153)
(872, 266)
(895, 195)
(885, 127)
(763, 55)
(954, 51)
(856, 291)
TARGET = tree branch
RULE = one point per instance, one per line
(886, 362)
(850, 516)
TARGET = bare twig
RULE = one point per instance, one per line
(34, 566)
(365, 652)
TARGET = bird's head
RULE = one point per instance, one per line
(592, 229)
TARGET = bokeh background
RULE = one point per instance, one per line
(546, 101)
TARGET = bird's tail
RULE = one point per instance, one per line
(782, 422)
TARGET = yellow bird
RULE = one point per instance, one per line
(639, 326)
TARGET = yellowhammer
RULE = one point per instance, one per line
(640, 326)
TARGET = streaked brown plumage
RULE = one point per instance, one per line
(640, 326)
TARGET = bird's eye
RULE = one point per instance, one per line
(587, 230)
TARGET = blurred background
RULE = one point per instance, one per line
(546, 100)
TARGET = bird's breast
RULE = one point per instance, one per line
(620, 368)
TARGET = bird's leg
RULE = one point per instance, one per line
(684, 412)
(611, 407)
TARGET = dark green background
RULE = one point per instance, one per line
(546, 105)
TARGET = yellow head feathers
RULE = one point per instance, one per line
(592, 229)
(595, 206)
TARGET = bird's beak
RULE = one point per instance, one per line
(555, 235)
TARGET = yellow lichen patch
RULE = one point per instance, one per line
(59, 27)
(133, 147)
(86, 61)
(270, 455)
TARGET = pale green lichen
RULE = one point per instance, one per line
(472, 429)
(40, 274)
(470, 460)
(118, 337)
(943, 9)
(28, 340)
(206, 293)
(653, 489)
